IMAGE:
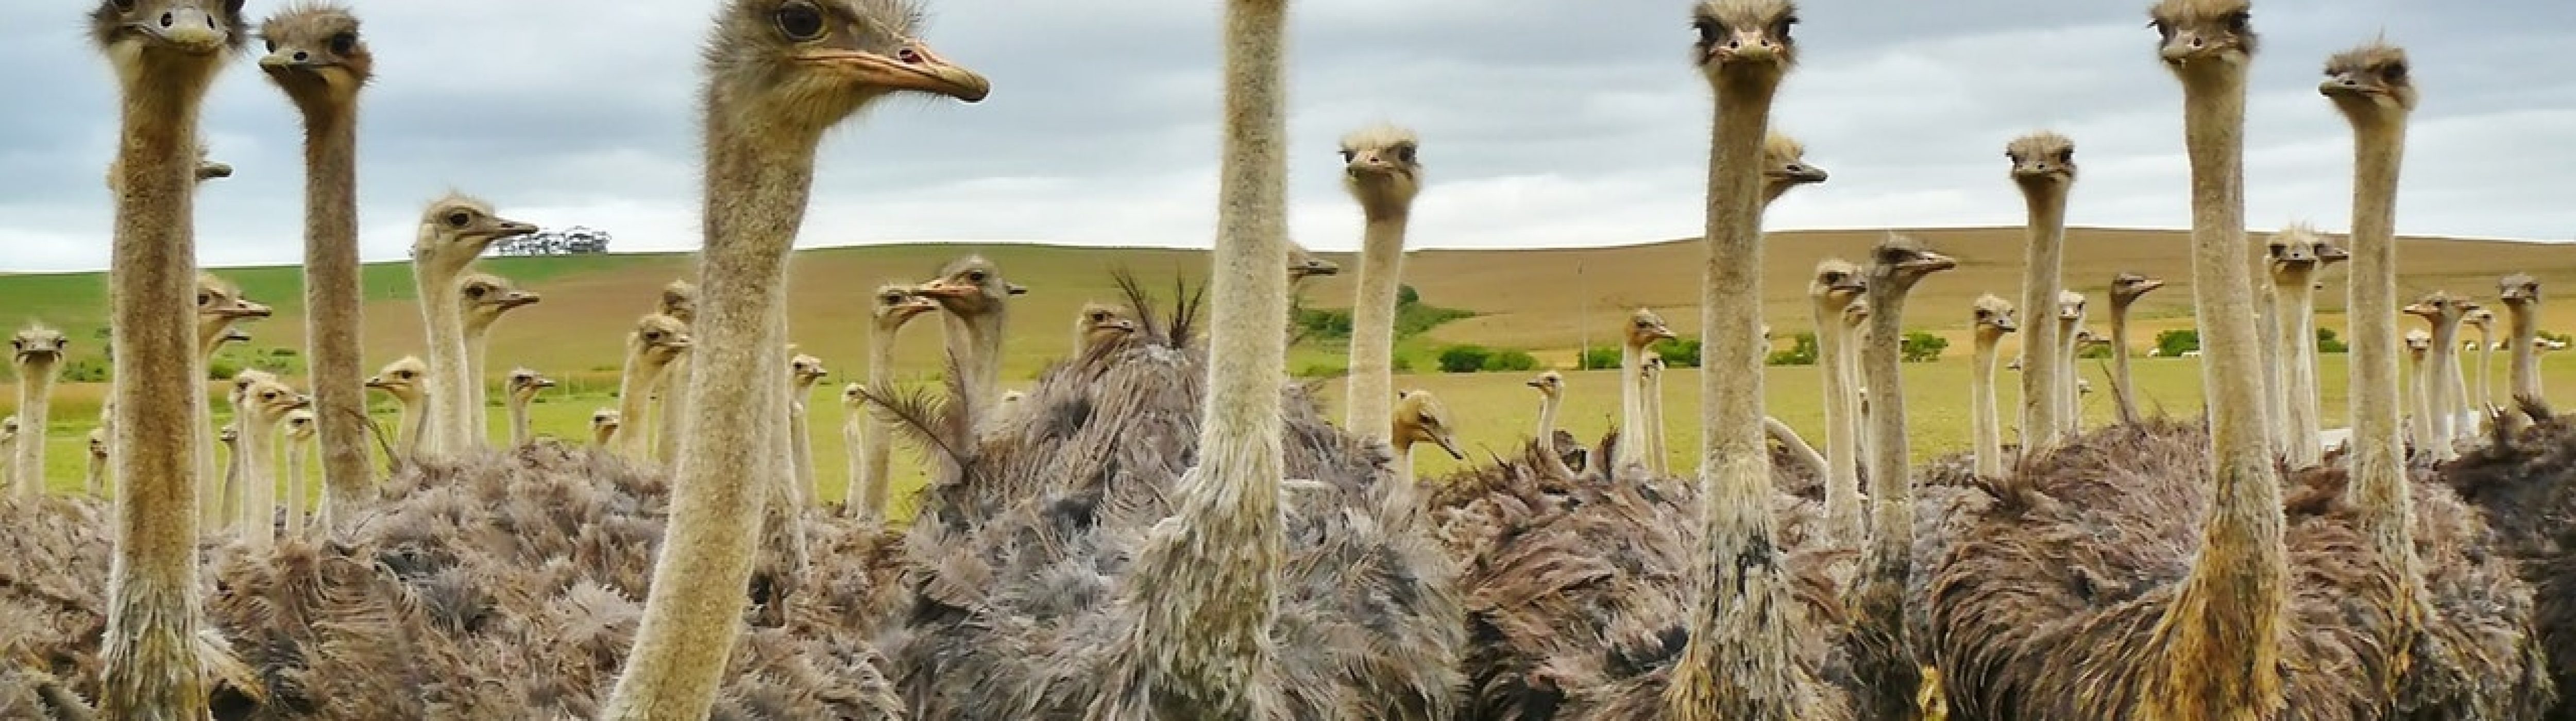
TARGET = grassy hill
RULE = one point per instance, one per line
(1543, 301)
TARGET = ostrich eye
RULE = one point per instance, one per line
(205, 298)
(476, 291)
(344, 44)
(269, 43)
(1708, 31)
(2066, 156)
(976, 276)
(268, 396)
(1405, 153)
(405, 375)
(2239, 21)
(1350, 155)
(2395, 72)
(2163, 28)
(800, 22)
(653, 335)
(458, 219)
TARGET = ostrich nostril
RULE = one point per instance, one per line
(1735, 44)
(167, 20)
(301, 56)
(908, 55)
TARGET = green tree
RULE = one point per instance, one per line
(1509, 360)
(1463, 359)
(1801, 352)
(1405, 295)
(1597, 358)
(1679, 352)
(2174, 343)
(2328, 343)
(1921, 347)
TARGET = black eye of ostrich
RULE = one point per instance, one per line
(1350, 155)
(1708, 31)
(344, 44)
(800, 22)
(458, 219)
(205, 298)
(976, 276)
(2066, 156)
(269, 43)
(2163, 28)
(653, 335)
(2395, 72)
(2239, 21)
(268, 396)
(1405, 153)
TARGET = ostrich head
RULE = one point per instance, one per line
(219, 300)
(2371, 81)
(1303, 264)
(896, 303)
(1745, 41)
(2418, 341)
(207, 167)
(1994, 318)
(524, 384)
(604, 422)
(1644, 328)
(658, 338)
(455, 230)
(2204, 35)
(234, 335)
(9, 429)
(316, 55)
(970, 286)
(267, 400)
(1419, 418)
(2519, 291)
(795, 68)
(2128, 287)
(1653, 367)
(229, 435)
(1856, 315)
(2300, 250)
(2070, 306)
(679, 300)
(2480, 317)
(854, 396)
(1382, 168)
(299, 425)
(805, 371)
(168, 36)
(484, 297)
(1784, 164)
(1101, 323)
(2042, 161)
(1900, 261)
(1550, 385)
(97, 440)
(2438, 308)
(37, 345)
(1836, 284)
(403, 379)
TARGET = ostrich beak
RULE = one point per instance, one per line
(301, 401)
(2007, 325)
(1449, 444)
(187, 27)
(1930, 262)
(2332, 254)
(941, 288)
(1851, 284)
(210, 170)
(914, 67)
(247, 309)
(376, 382)
(511, 228)
(2150, 284)
(1804, 173)
(520, 298)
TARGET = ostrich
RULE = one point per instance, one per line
(603, 426)
(9, 447)
(2297, 252)
(803, 372)
(453, 231)
(976, 299)
(1650, 379)
(483, 298)
(1382, 170)
(1551, 395)
(318, 57)
(259, 411)
(220, 305)
(2126, 289)
(1836, 284)
(2043, 165)
(1992, 318)
(407, 380)
(1644, 329)
(299, 444)
(2521, 295)
(2070, 317)
(1885, 658)
(650, 349)
(1100, 324)
(2483, 319)
(2442, 312)
(166, 53)
(871, 456)
(523, 386)
(2419, 400)
(1785, 167)
(97, 482)
(778, 75)
(1419, 418)
(1856, 399)
(37, 354)
(1304, 264)
(667, 396)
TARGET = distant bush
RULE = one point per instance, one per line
(86, 370)
(222, 368)
(1679, 352)
(2328, 343)
(1464, 359)
(1401, 364)
(1321, 370)
(2174, 343)
(1597, 358)
(1921, 347)
(281, 361)
(1412, 317)
(1507, 360)
(2555, 337)
(1802, 352)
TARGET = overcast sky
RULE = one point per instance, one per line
(1545, 122)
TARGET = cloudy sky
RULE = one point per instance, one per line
(1545, 122)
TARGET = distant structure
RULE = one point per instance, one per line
(576, 240)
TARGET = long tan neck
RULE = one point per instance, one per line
(1842, 453)
(2070, 408)
(231, 490)
(2123, 393)
(1888, 560)
(2486, 367)
(257, 459)
(415, 427)
(975, 342)
(2526, 350)
(1550, 458)
(1203, 636)
(2222, 627)
(1371, 396)
(2299, 376)
(149, 662)
(633, 389)
(1981, 407)
(447, 379)
(1659, 456)
(519, 433)
(2440, 367)
(2274, 366)
(332, 295)
(97, 479)
(670, 401)
(876, 455)
(755, 201)
(478, 343)
(297, 488)
(1632, 406)
(2042, 390)
(800, 446)
(35, 391)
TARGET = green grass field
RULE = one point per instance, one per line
(1547, 302)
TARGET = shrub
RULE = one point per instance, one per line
(1802, 352)
(1463, 359)
(1679, 352)
(1508, 360)
(2328, 343)
(85, 370)
(1401, 364)
(2174, 343)
(1598, 358)
(1921, 347)
(222, 368)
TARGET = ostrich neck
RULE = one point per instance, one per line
(35, 390)
(1981, 407)
(633, 388)
(2438, 374)
(1371, 396)
(2070, 402)
(2271, 370)
(668, 390)
(258, 490)
(415, 426)
(210, 335)
(1658, 456)
(2526, 351)
(975, 341)
(1888, 559)
(519, 432)
(1203, 628)
(877, 444)
(1553, 461)
(800, 448)
(296, 489)
(1632, 405)
(2122, 393)
(447, 380)
(332, 296)
(2486, 366)
(2042, 389)
(478, 343)
(2222, 627)
(149, 666)
(756, 193)
(2298, 357)
(1842, 452)
(1730, 667)
(97, 480)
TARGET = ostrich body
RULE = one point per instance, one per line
(803, 372)
(1836, 284)
(2442, 312)
(895, 306)
(260, 410)
(1419, 418)
(483, 298)
(319, 59)
(37, 353)
(1644, 329)
(668, 395)
(523, 386)
(166, 53)
(2297, 252)
(2043, 165)
(2521, 295)
(1551, 395)
(650, 350)
(1381, 170)
(2070, 321)
(977, 301)
(2126, 289)
(777, 77)
(299, 444)
(1992, 318)
(407, 380)
(1885, 661)
(453, 232)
